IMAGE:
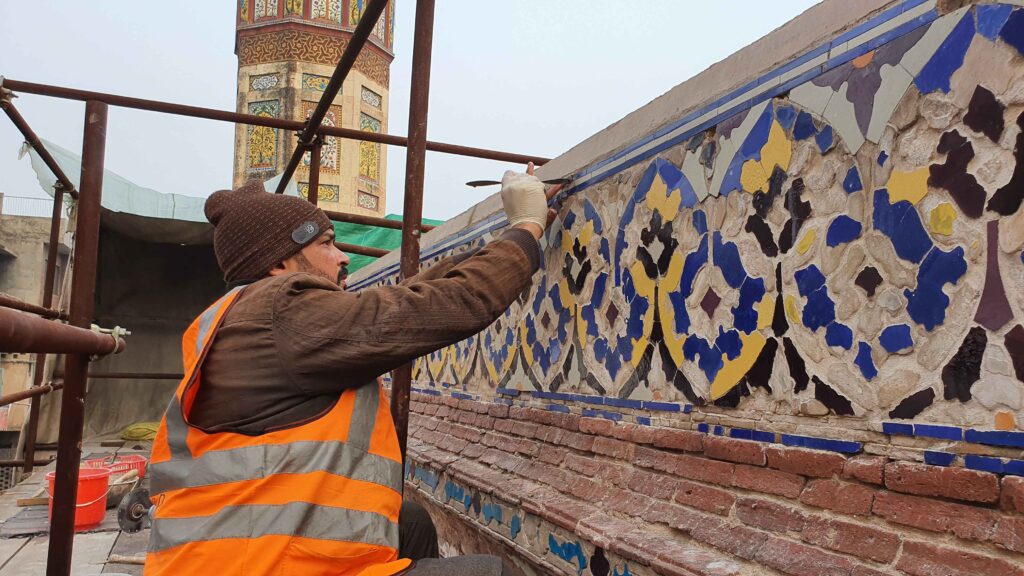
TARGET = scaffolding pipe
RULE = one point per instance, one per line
(253, 120)
(76, 366)
(45, 311)
(308, 136)
(361, 250)
(313, 193)
(412, 214)
(22, 332)
(49, 279)
(34, 142)
(371, 220)
(33, 392)
(13, 463)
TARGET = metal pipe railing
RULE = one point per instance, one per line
(76, 366)
(412, 214)
(23, 332)
(308, 136)
(253, 120)
(45, 311)
(34, 142)
(33, 392)
(371, 220)
(361, 250)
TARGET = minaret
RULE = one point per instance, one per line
(287, 51)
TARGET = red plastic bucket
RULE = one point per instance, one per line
(92, 496)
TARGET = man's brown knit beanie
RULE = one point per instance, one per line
(254, 229)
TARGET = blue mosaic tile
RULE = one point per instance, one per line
(432, 392)
(864, 361)
(558, 408)
(825, 139)
(703, 427)
(820, 309)
(896, 338)
(1013, 30)
(897, 429)
(842, 230)
(882, 157)
(463, 396)
(745, 313)
(569, 219)
(586, 398)
(995, 437)
(808, 280)
(844, 446)
(991, 19)
(804, 127)
(661, 406)
(786, 116)
(983, 463)
(508, 392)
(938, 458)
(1015, 467)
(852, 181)
(948, 58)
(762, 436)
(940, 432)
(623, 403)
(591, 413)
(902, 224)
(687, 408)
(837, 334)
(643, 420)
(741, 433)
(727, 259)
(927, 303)
(719, 430)
(700, 222)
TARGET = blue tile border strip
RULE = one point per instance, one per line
(940, 432)
(844, 446)
(938, 458)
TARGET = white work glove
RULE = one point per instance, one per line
(524, 199)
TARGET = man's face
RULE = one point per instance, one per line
(320, 258)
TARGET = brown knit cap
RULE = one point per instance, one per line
(254, 229)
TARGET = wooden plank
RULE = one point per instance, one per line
(91, 551)
(131, 545)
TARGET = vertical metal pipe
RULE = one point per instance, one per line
(412, 214)
(40, 367)
(314, 171)
(83, 293)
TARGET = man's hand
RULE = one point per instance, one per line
(526, 201)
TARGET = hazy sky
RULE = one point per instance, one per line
(517, 75)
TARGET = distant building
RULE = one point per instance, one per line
(287, 51)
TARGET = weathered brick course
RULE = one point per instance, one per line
(955, 483)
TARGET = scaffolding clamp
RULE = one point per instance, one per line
(117, 333)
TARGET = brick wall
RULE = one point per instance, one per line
(559, 493)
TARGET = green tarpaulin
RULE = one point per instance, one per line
(371, 236)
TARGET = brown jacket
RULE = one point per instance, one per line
(291, 344)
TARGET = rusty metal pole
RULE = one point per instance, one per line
(35, 143)
(314, 171)
(412, 214)
(49, 279)
(83, 292)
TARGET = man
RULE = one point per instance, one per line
(277, 454)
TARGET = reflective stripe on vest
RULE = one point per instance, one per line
(319, 481)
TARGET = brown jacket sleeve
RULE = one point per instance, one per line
(329, 340)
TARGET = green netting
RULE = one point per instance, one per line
(373, 236)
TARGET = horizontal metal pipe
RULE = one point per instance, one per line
(253, 120)
(369, 220)
(22, 462)
(11, 302)
(361, 250)
(34, 142)
(29, 393)
(135, 376)
(21, 332)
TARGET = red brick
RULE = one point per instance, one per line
(737, 540)
(552, 455)
(704, 469)
(855, 539)
(626, 502)
(624, 431)
(1013, 494)
(654, 485)
(924, 559)
(964, 521)
(742, 451)
(769, 515)
(1009, 533)
(498, 410)
(596, 426)
(866, 468)
(582, 465)
(685, 440)
(655, 459)
(601, 529)
(844, 497)
(673, 557)
(549, 434)
(585, 489)
(801, 560)
(768, 481)
(442, 412)
(704, 498)
(805, 462)
(865, 571)
(453, 444)
(577, 441)
(474, 450)
(644, 434)
(614, 448)
(504, 425)
(484, 421)
(524, 429)
(955, 483)
(564, 512)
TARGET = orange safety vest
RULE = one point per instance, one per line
(318, 498)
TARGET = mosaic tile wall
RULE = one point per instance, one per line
(849, 245)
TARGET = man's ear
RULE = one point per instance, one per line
(278, 269)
